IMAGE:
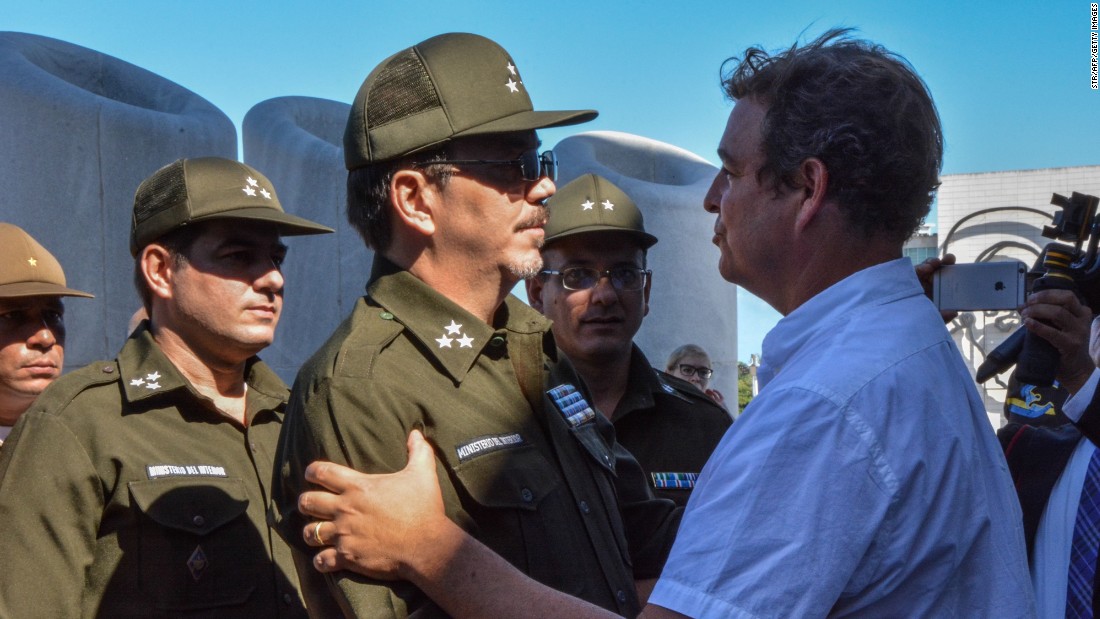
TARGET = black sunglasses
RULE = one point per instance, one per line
(532, 165)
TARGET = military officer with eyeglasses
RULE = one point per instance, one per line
(447, 185)
(595, 287)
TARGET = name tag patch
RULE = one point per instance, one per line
(665, 481)
(488, 444)
(571, 404)
(184, 470)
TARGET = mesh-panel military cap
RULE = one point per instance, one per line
(592, 203)
(452, 85)
(27, 269)
(193, 190)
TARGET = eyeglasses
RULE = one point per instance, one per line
(583, 278)
(532, 165)
(692, 370)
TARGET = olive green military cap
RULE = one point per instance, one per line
(592, 203)
(27, 269)
(194, 190)
(452, 85)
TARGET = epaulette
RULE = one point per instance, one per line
(680, 388)
(64, 390)
(368, 334)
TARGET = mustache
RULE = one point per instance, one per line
(536, 220)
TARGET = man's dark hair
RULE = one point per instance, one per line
(369, 194)
(860, 109)
(178, 242)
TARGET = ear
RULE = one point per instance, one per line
(813, 184)
(534, 292)
(157, 269)
(413, 198)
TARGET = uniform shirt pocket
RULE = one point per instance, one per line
(196, 544)
(518, 478)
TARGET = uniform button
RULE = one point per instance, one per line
(198, 521)
(385, 316)
(621, 595)
(288, 599)
(584, 507)
(252, 446)
(527, 495)
(496, 341)
(108, 369)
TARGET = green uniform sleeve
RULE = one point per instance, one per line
(375, 444)
(51, 504)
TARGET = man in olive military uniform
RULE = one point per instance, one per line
(32, 322)
(446, 185)
(595, 287)
(138, 487)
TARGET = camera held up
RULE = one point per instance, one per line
(1060, 266)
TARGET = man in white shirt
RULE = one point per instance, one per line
(864, 480)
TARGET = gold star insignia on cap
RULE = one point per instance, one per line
(265, 193)
(512, 86)
(32, 262)
(249, 190)
(607, 205)
(511, 68)
(587, 205)
(252, 182)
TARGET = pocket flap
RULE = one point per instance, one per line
(511, 478)
(194, 505)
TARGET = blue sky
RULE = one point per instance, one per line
(1011, 79)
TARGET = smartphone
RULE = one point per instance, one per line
(980, 286)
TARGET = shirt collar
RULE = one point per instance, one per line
(146, 371)
(447, 333)
(879, 284)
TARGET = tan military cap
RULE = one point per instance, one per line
(27, 269)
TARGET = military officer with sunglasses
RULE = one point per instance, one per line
(446, 185)
(595, 287)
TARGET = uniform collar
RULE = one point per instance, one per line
(447, 333)
(146, 371)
